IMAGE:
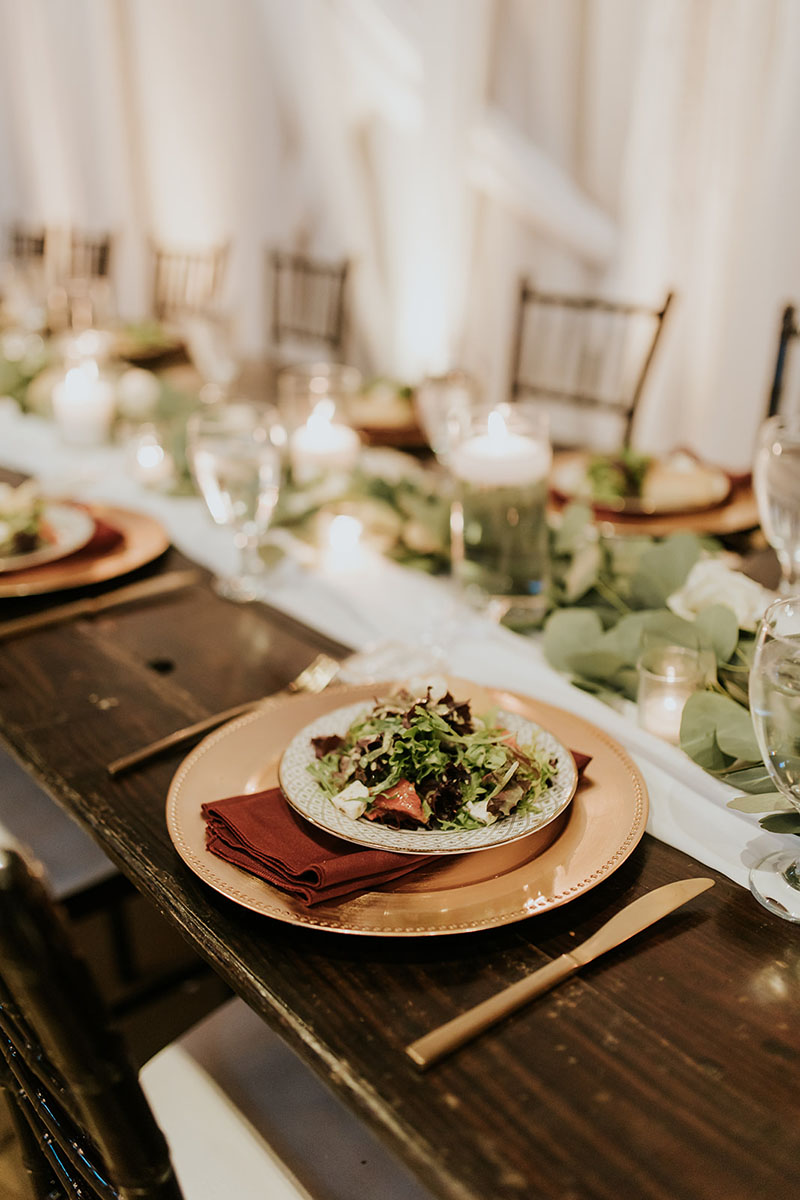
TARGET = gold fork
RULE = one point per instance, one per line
(313, 678)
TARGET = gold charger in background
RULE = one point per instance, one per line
(143, 539)
(482, 890)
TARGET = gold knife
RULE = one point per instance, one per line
(631, 920)
(144, 589)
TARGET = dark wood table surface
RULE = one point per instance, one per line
(666, 1071)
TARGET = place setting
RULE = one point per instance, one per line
(247, 815)
(399, 601)
(53, 546)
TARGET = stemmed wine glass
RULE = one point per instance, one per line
(776, 475)
(775, 708)
(234, 451)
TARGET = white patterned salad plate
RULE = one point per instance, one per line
(306, 796)
(69, 529)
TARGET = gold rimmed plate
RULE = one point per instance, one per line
(69, 528)
(674, 484)
(307, 797)
(141, 540)
(458, 894)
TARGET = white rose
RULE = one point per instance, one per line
(711, 582)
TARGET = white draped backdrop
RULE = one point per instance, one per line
(622, 147)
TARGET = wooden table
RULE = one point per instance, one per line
(666, 1071)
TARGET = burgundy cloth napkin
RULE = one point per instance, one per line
(260, 833)
(104, 539)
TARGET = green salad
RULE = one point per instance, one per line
(427, 762)
(618, 476)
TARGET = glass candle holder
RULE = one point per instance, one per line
(668, 676)
(500, 461)
(84, 405)
(314, 404)
(442, 404)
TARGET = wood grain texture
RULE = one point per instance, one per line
(666, 1071)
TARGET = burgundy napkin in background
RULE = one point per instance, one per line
(104, 539)
(260, 833)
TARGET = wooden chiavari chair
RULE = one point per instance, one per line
(789, 330)
(26, 245)
(308, 301)
(584, 353)
(186, 282)
(86, 1128)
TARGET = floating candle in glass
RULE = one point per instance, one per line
(500, 462)
(322, 445)
(668, 676)
(83, 405)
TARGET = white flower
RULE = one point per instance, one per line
(711, 582)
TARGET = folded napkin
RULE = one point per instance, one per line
(260, 833)
(104, 539)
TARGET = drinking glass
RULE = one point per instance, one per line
(776, 475)
(775, 708)
(234, 451)
(443, 404)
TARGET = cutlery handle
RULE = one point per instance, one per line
(145, 589)
(120, 765)
(439, 1042)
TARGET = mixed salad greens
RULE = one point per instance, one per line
(22, 525)
(618, 476)
(427, 762)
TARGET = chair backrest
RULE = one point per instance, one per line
(187, 281)
(85, 1126)
(789, 330)
(308, 300)
(89, 257)
(26, 245)
(584, 351)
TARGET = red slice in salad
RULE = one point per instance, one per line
(399, 803)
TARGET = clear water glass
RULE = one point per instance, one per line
(234, 451)
(443, 404)
(775, 708)
(776, 475)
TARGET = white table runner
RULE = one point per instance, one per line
(402, 618)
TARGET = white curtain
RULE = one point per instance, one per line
(622, 147)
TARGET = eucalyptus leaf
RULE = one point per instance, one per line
(781, 823)
(583, 572)
(596, 664)
(663, 569)
(568, 632)
(735, 733)
(698, 737)
(767, 802)
(719, 625)
(755, 780)
(571, 533)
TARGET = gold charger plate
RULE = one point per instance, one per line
(676, 484)
(738, 513)
(475, 891)
(143, 539)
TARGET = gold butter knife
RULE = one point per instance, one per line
(144, 589)
(631, 920)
